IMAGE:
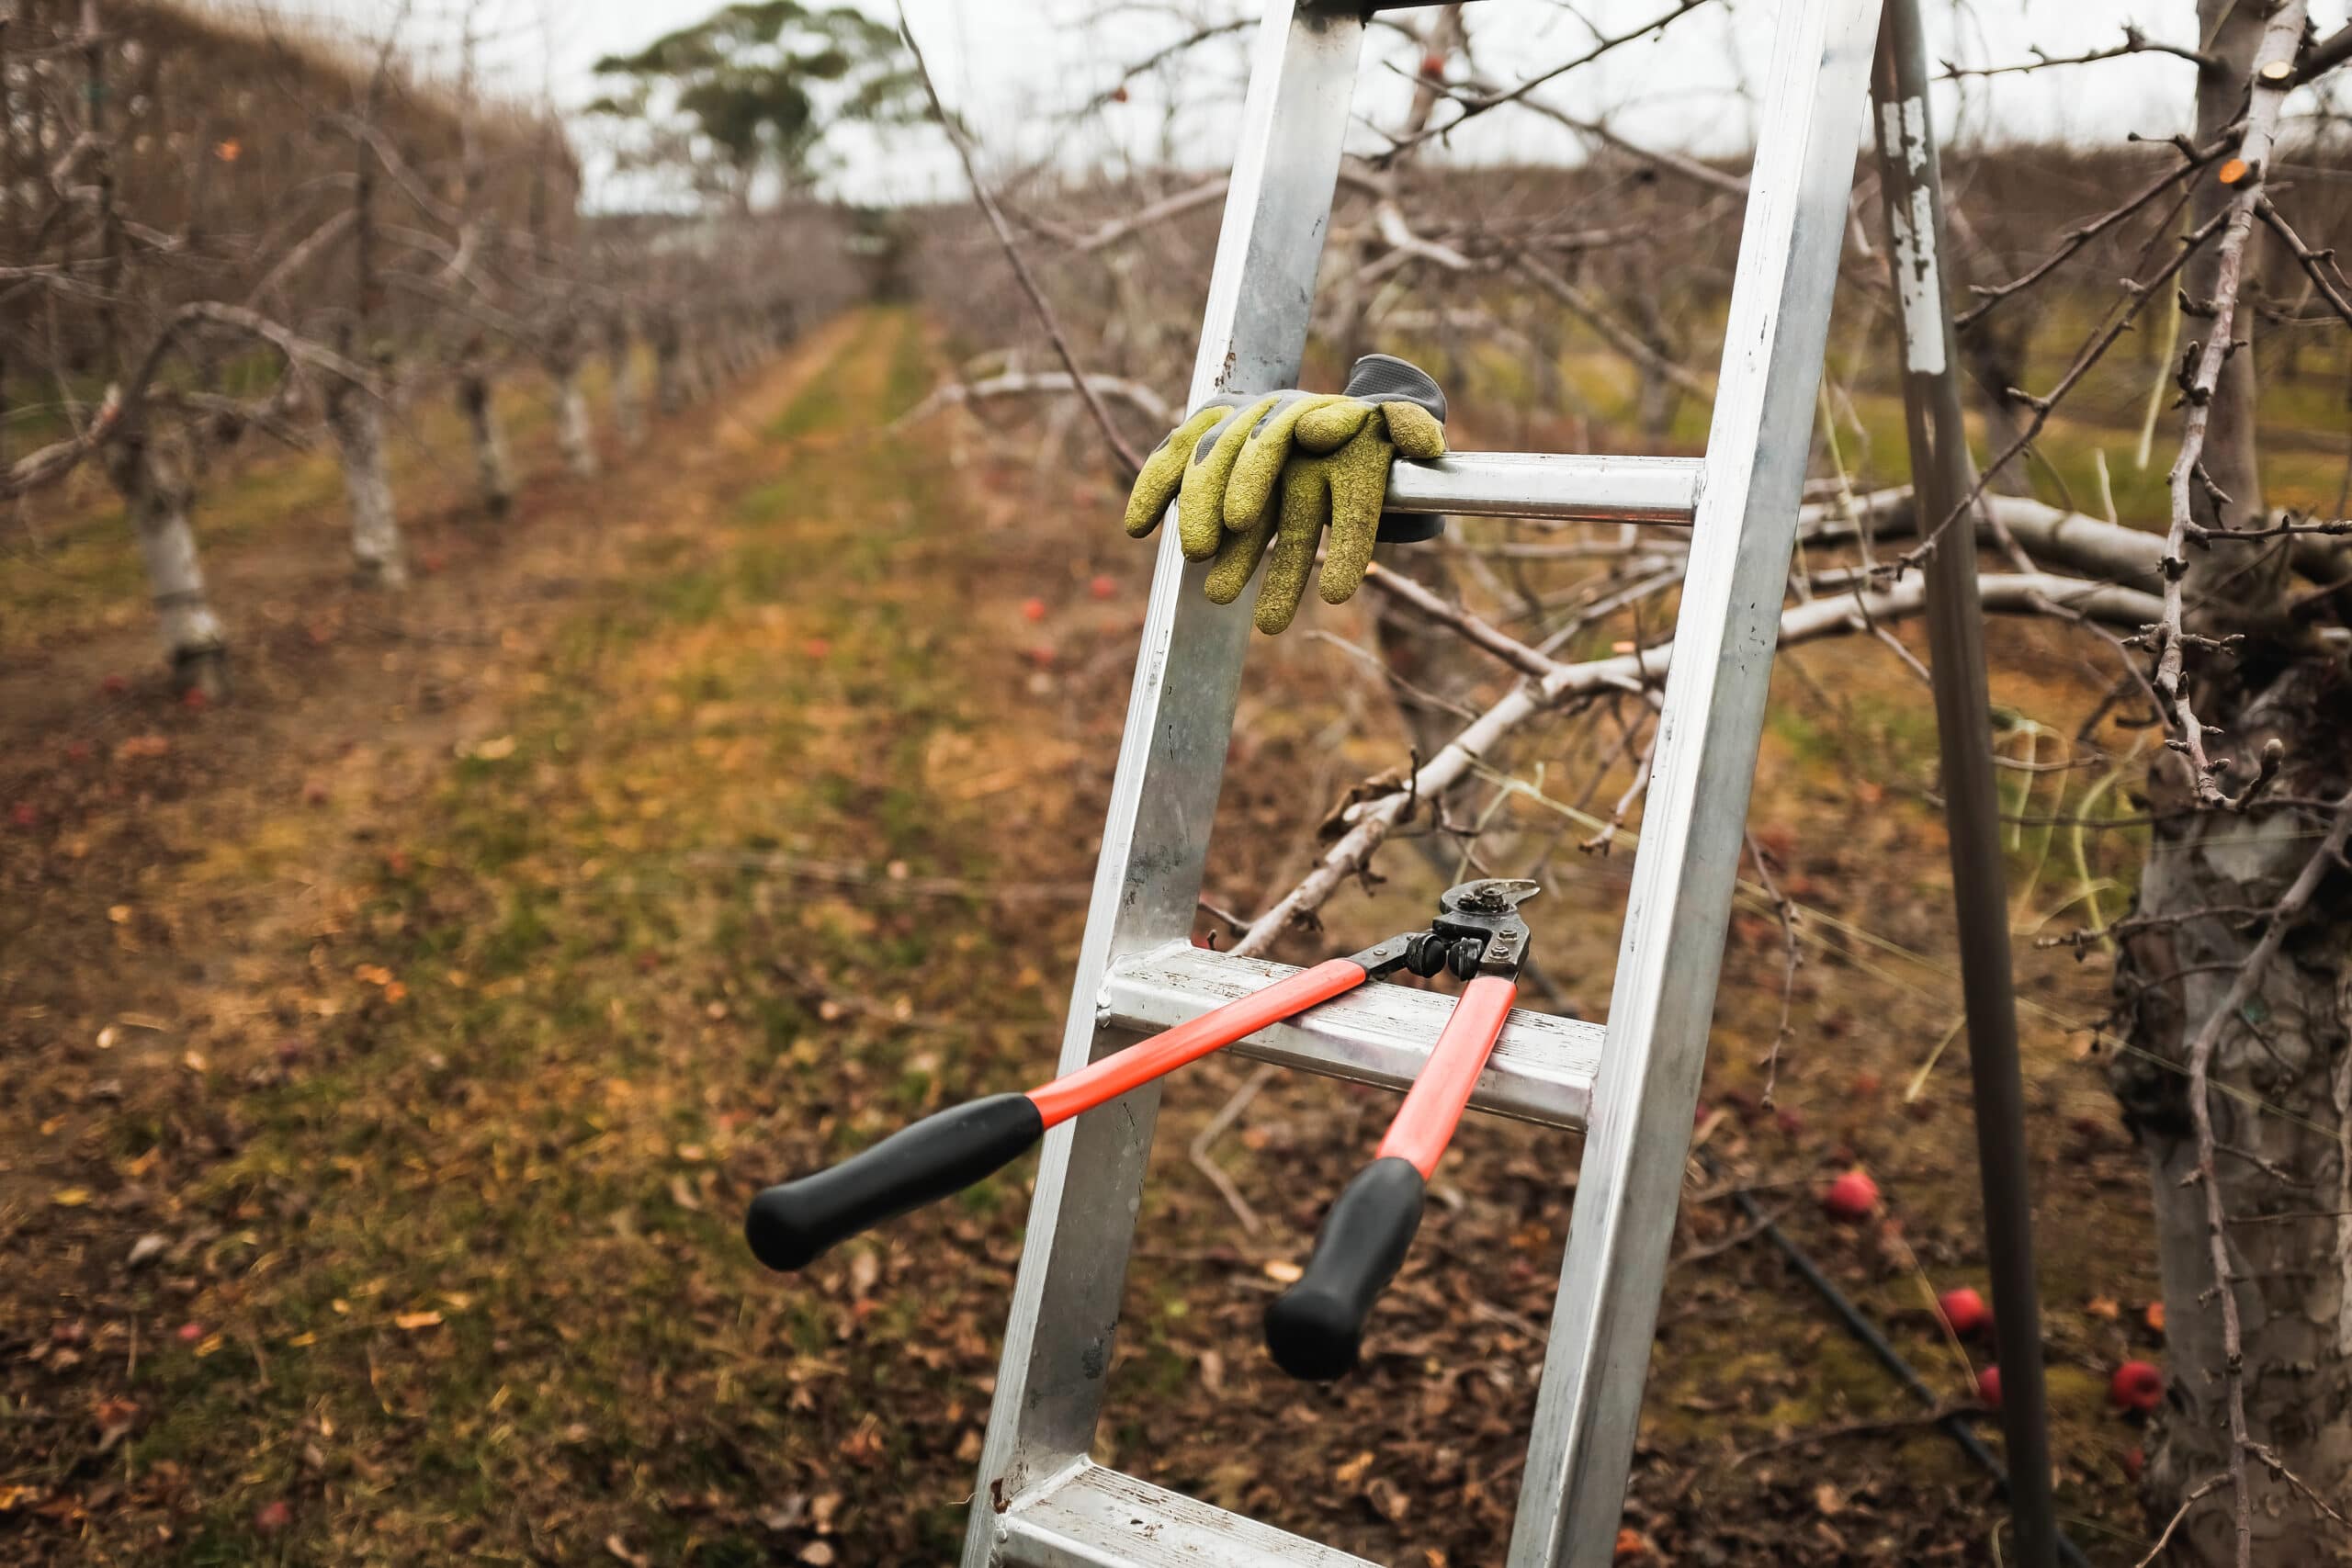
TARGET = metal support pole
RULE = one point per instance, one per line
(1942, 473)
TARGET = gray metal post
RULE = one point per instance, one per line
(1942, 473)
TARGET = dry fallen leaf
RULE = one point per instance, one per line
(2154, 1316)
(416, 1320)
(116, 1417)
(2105, 1308)
(1284, 1272)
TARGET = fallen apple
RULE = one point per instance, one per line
(1965, 1310)
(2137, 1386)
(1988, 1387)
(1852, 1197)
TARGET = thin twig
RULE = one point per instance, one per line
(1118, 443)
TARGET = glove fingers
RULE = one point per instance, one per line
(1199, 506)
(1332, 426)
(1359, 488)
(1238, 556)
(1306, 502)
(1262, 456)
(1415, 430)
(1163, 472)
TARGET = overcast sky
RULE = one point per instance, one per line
(1012, 66)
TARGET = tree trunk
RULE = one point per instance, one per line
(693, 361)
(488, 441)
(2282, 1118)
(377, 559)
(2281, 1068)
(574, 436)
(155, 492)
(629, 384)
(668, 373)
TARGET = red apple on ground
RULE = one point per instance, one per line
(1103, 587)
(1965, 1310)
(1988, 1387)
(1033, 609)
(2137, 1386)
(1852, 1197)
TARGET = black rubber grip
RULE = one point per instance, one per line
(1315, 1329)
(794, 1221)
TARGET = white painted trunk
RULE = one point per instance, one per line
(488, 442)
(154, 493)
(574, 436)
(628, 391)
(377, 558)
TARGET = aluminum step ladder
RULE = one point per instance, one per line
(1040, 1500)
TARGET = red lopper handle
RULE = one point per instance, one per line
(1433, 1107)
(1162, 1054)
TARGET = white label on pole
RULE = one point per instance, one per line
(1902, 136)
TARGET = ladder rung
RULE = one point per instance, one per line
(1572, 487)
(1541, 1070)
(1100, 1519)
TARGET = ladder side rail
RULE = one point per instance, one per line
(1597, 1360)
(1066, 1297)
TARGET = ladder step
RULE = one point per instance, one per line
(1571, 487)
(1542, 1070)
(1098, 1517)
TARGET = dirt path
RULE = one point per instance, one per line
(387, 1058)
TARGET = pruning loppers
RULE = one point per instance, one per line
(1316, 1327)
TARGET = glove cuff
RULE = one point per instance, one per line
(1384, 378)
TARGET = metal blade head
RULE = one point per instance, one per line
(1488, 895)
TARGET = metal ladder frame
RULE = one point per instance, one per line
(1040, 1500)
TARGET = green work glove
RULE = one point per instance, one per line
(1333, 466)
(1190, 467)
(1222, 463)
